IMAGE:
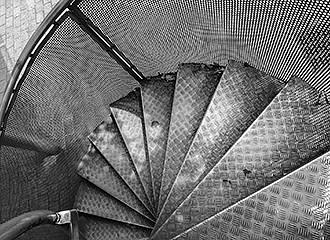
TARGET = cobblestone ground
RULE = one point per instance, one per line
(18, 20)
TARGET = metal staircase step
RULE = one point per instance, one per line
(92, 200)
(242, 94)
(108, 140)
(95, 228)
(292, 207)
(195, 86)
(292, 131)
(157, 98)
(96, 170)
(131, 125)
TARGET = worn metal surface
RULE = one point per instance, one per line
(108, 140)
(131, 103)
(242, 94)
(131, 126)
(296, 207)
(92, 200)
(157, 98)
(292, 131)
(194, 89)
(96, 170)
(94, 228)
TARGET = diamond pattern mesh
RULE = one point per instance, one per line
(242, 94)
(131, 127)
(292, 131)
(194, 89)
(95, 169)
(94, 228)
(296, 207)
(91, 200)
(108, 140)
(157, 98)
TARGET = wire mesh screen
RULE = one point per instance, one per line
(282, 38)
(64, 96)
(70, 84)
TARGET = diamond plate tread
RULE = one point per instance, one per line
(131, 103)
(296, 207)
(96, 170)
(108, 140)
(157, 98)
(194, 89)
(242, 94)
(291, 132)
(132, 129)
(95, 228)
(92, 200)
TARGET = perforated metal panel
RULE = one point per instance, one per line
(67, 89)
(63, 97)
(66, 92)
(282, 38)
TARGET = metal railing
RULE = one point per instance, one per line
(17, 226)
(22, 66)
(29, 54)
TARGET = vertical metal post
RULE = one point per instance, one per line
(69, 217)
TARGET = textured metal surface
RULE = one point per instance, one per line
(242, 94)
(94, 228)
(96, 170)
(194, 89)
(131, 103)
(296, 207)
(292, 131)
(64, 96)
(108, 140)
(92, 200)
(282, 38)
(131, 127)
(157, 98)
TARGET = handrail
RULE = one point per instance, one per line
(26, 53)
(31, 50)
(17, 226)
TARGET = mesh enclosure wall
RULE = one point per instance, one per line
(282, 38)
(65, 94)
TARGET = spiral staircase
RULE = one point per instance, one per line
(219, 130)
(209, 152)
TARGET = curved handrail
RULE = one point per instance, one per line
(28, 49)
(20, 224)
(16, 226)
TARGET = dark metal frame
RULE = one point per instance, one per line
(17, 226)
(63, 9)
(58, 14)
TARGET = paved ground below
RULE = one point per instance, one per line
(18, 20)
